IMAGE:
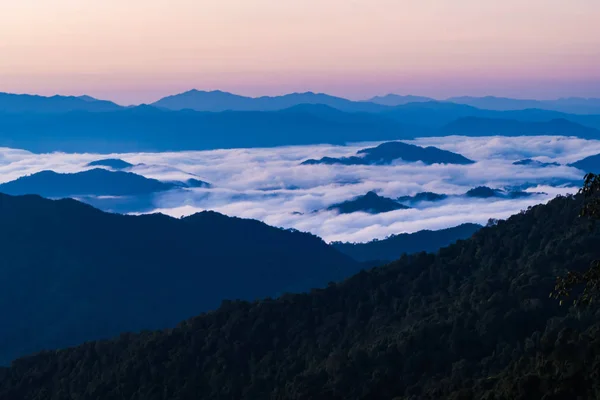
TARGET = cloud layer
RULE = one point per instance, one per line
(272, 186)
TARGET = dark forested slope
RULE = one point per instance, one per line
(71, 273)
(393, 247)
(462, 324)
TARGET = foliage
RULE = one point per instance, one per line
(473, 321)
(589, 280)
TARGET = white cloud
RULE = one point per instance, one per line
(272, 186)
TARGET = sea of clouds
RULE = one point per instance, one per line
(270, 185)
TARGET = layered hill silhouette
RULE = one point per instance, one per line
(96, 182)
(484, 192)
(325, 119)
(223, 101)
(473, 321)
(387, 153)
(576, 105)
(535, 163)
(114, 163)
(25, 103)
(393, 100)
(588, 164)
(148, 128)
(393, 247)
(422, 196)
(370, 203)
(70, 273)
(475, 126)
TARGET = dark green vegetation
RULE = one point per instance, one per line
(473, 321)
(371, 203)
(114, 163)
(71, 273)
(387, 153)
(589, 164)
(97, 182)
(536, 163)
(393, 247)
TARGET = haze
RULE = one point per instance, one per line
(138, 51)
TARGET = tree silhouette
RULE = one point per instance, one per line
(585, 285)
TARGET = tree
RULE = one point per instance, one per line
(586, 283)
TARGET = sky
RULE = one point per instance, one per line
(140, 50)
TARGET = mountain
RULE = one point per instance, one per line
(588, 164)
(148, 128)
(473, 321)
(113, 163)
(484, 192)
(393, 247)
(217, 100)
(397, 100)
(473, 126)
(535, 163)
(25, 103)
(370, 203)
(573, 105)
(70, 273)
(96, 182)
(387, 153)
(422, 196)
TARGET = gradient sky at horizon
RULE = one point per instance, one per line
(138, 51)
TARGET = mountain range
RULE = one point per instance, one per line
(473, 321)
(387, 153)
(588, 164)
(370, 203)
(474, 126)
(393, 247)
(96, 182)
(24, 103)
(70, 273)
(80, 124)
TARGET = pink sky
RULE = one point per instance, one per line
(137, 51)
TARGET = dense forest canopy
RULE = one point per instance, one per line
(473, 321)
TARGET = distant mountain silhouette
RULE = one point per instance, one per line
(113, 163)
(484, 192)
(46, 124)
(97, 182)
(393, 247)
(387, 153)
(25, 103)
(223, 101)
(473, 126)
(536, 163)
(147, 128)
(70, 273)
(371, 203)
(422, 196)
(588, 164)
(397, 100)
(196, 183)
(568, 105)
